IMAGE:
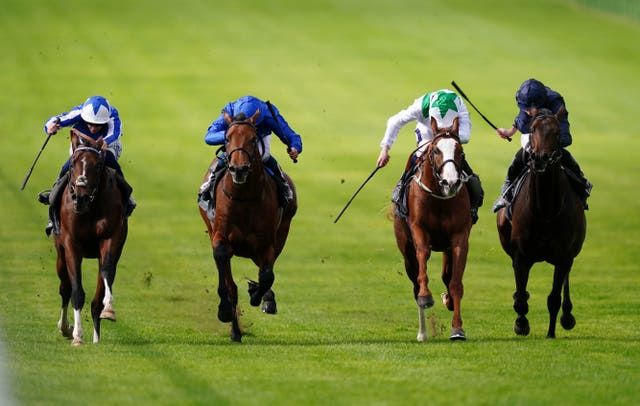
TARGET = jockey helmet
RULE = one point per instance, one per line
(532, 93)
(249, 105)
(96, 110)
(442, 107)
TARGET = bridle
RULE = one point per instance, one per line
(539, 164)
(251, 155)
(82, 179)
(430, 153)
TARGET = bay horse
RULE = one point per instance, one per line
(439, 220)
(547, 224)
(248, 221)
(92, 225)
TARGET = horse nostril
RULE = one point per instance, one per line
(444, 182)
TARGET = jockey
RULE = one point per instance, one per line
(269, 121)
(95, 118)
(443, 105)
(531, 96)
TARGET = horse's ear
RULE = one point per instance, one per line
(75, 140)
(561, 113)
(254, 117)
(455, 126)
(227, 117)
(434, 126)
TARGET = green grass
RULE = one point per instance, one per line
(345, 332)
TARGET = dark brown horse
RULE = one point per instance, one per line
(92, 225)
(548, 224)
(248, 221)
(439, 220)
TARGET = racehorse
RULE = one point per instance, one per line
(439, 220)
(92, 225)
(547, 224)
(248, 221)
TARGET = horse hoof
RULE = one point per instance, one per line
(521, 326)
(567, 321)
(77, 342)
(66, 332)
(422, 337)
(446, 301)
(425, 301)
(108, 314)
(269, 307)
(457, 334)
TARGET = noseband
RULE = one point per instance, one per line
(82, 179)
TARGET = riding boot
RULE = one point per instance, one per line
(399, 195)
(285, 194)
(515, 169)
(207, 191)
(474, 187)
(576, 175)
(126, 189)
(54, 196)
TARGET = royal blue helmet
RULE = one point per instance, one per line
(96, 110)
(532, 93)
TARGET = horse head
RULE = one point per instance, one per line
(545, 139)
(444, 154)
(241, 144)
(87, 165)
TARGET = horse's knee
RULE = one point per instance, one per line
(220, 253)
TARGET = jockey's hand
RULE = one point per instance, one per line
(53, 128)
(293, 153)
(506, 134)
(383, 158)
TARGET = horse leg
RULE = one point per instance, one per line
(265, 281)
(97, 308)
(425, 298)
(227, 291)
(446, 279)
(77, 296)
(456, 288)
(268, 299)
(566, 319)
(560, 277)
(422, 326)
(521, 270)
(65, 293)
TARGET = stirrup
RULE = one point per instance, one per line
(499, 204)
(43, 197)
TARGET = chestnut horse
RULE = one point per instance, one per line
(547, 224)
(439, 220)
(92, 225)
(247, 222)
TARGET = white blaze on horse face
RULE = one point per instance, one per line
(449, 172)
(82, 179)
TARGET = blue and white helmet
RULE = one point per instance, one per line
(96, 110)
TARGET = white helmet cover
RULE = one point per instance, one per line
(96, 110)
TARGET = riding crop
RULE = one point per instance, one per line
(357, 191)
(474, 107)
(24, 182)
